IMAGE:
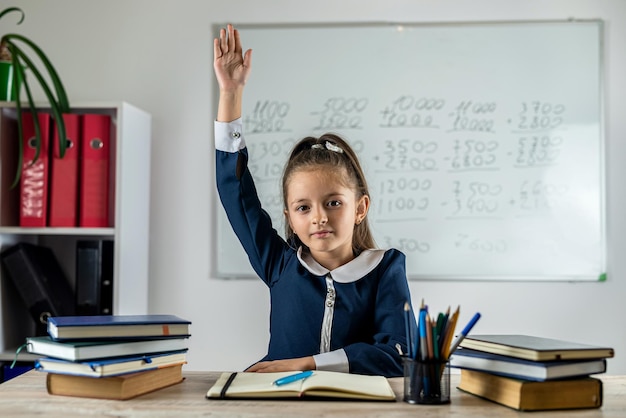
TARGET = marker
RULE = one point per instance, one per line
(293, 378)
(465, 331)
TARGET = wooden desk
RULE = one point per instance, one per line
(26, 396)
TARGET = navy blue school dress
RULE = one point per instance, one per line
(350, 319)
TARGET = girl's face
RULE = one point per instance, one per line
(322, 211)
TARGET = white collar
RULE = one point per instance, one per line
(347, 273)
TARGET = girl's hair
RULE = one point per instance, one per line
(331, 152)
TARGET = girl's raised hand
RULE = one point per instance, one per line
(231, 66)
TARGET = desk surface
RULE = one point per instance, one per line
(26, 396)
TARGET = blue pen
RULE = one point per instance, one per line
(465, 331)
(293, 378)
(423, 339)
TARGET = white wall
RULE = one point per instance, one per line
(157, 54)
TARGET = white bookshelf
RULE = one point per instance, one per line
(130, 199)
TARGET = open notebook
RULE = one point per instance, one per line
(325, 384)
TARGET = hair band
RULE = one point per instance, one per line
(329, 146)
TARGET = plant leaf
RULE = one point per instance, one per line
(56, 107)
(54, 77)
(18, 108)
(33, 111)
(13, 9)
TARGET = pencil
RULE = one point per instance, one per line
(450, 333)
(436, 338)
(429, 337)
(442, 328)
(408, 330)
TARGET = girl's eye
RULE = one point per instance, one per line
(302, 208)
(334, 203)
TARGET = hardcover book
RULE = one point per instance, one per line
(466, 358)
(87, 350)
(112, 366)
(324, 384)
(117, 326)
(534, 348)
(528, 395)
(122, 387)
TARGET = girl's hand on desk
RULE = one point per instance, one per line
(303, 363)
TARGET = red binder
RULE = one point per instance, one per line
(95, 151)
(64, 176)
(34, 179)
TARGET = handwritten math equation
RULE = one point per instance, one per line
(430, 159)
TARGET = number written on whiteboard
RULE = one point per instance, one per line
(341, 113)
(267, 116)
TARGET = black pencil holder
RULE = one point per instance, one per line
(426, 382)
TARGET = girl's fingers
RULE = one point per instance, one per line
(217, 51)
(237, 41)
(222, 42)
(231, 38)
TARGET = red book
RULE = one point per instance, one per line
(64, 176)
(34, 179)
(95, 152)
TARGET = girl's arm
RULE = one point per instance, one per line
(381, 356)
(235, 185)
(232, 69)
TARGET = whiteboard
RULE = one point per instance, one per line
(482, 142)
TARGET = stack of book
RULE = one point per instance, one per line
(529, 373)
(111, 356)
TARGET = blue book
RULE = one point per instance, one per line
(497, 364)
(75, 350)
(90, 327)
(113, 366)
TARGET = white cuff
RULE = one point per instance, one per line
(229, 136)
(334, 361)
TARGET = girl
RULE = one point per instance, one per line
(336, 302)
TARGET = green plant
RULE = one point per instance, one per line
(19, 50)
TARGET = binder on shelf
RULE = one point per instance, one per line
(34, 179)
(40, 281)
(95, 151)
(94, 277)
(63, 203)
